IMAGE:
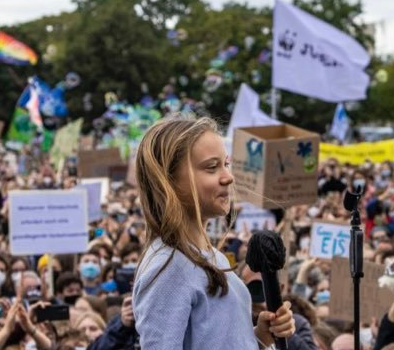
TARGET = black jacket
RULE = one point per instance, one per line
(116, 336)
(302, 339)
(385, 333)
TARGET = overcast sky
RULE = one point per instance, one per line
(17, 11)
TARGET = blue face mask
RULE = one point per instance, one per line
(109, 286)
(90, 270)
(359, 182)
(385, 173)
(130, 265)
(322, 297)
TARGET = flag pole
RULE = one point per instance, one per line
(273, 103)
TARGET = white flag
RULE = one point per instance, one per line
(247, 111)
(340, 123)
(313, 58)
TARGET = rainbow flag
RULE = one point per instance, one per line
(13, 51)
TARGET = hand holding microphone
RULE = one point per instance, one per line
(266, 254)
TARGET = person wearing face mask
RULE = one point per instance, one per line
(130, 255)
(18, 265)
(384, 178)
(89, 269)
(68, 288)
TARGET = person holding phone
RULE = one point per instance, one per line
(185, 295)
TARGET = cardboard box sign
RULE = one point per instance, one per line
(275, 166)
(96, 163)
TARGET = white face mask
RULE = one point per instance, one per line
(16, 277)
(47, 180)
(2, 278)
(31, 345)
(366, 337)
(313, 212)
(103, 262)
(304, 243)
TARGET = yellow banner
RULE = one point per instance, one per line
(358, 153)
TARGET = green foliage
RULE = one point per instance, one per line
(116, 45)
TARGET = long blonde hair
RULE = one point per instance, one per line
(164, 147)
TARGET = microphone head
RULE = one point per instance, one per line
(351, 199)
(266, 252)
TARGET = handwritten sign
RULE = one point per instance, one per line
(52, 221)
(254, 218)
(329, 239)
(375, 301)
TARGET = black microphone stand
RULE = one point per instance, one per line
(355, 257)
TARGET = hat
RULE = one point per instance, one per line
(42, 262)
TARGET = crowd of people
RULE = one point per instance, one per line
(94, 288)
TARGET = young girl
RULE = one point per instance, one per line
(185, 295)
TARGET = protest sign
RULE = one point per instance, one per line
(104, 186)
(51, 221)
(96, 163)
(254, 218)
(375, 301)
(358, 153)
(275, 166)
(93, 191)
(329, 239)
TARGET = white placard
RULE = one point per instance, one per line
(254, 218)
(48, 221)
(93, 191)
(104, 186)
(329, 239)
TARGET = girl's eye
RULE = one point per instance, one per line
(227, 164)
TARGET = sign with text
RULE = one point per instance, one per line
(329, 239)
(358, 153)
(375, 301)
(52, 221)
(254, 218)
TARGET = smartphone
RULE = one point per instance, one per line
(114, 300)
(124, 279)
(53, 313)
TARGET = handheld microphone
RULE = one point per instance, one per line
(266, 254)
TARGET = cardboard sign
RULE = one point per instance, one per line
(93, 191)
(329, 239)
(52, 221)
(375, 301)
(96, 163)
(254, 218)
(275, 166)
